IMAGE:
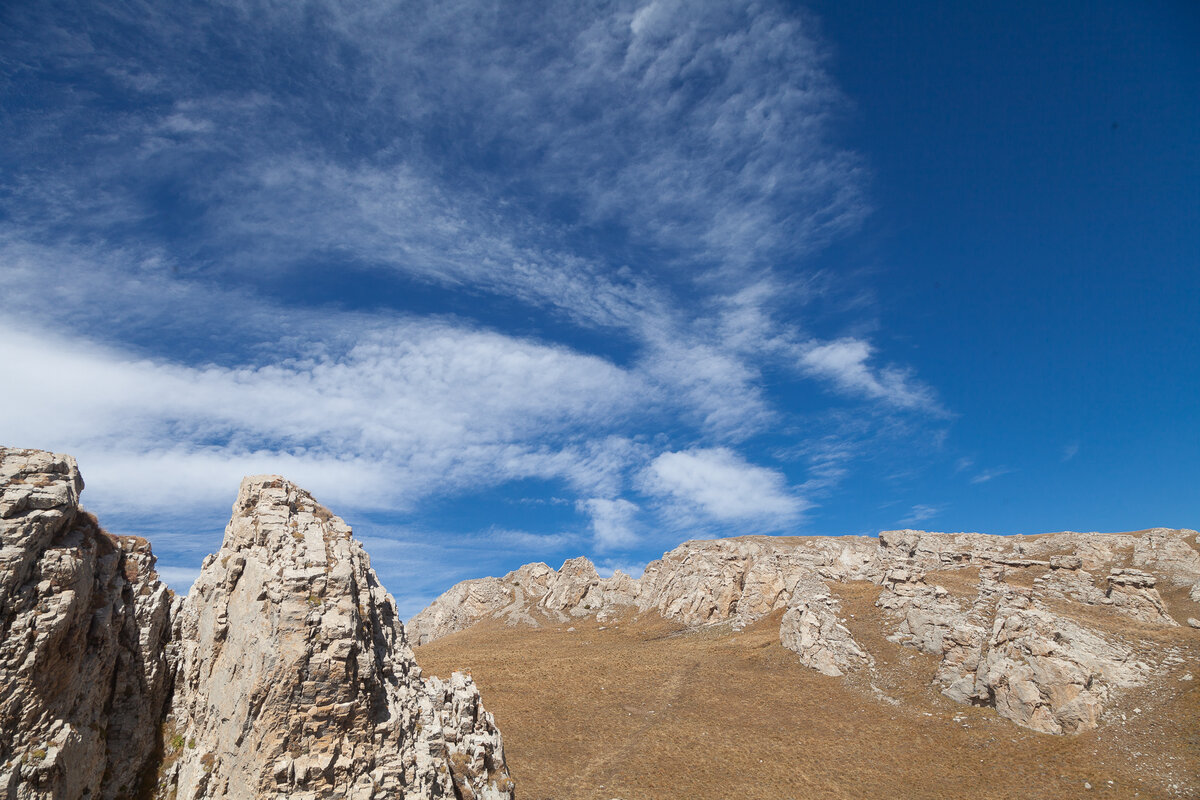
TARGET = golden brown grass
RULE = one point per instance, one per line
(641, 709)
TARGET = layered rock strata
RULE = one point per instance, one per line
(284, 673)
(1013, 635)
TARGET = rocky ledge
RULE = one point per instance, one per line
(1045, 629)
(285, 672)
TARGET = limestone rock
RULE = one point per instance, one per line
(1037, 668)
(574, 589)
(1168, 553)
(1066, 562)
(1129, 592)
(83, 619)
(295, 679)
(813, 628)
(1051, 674)
(744, 579)
(462, 606)
(1134, 592)
(741, 580)
(935, 622)
(530, 595)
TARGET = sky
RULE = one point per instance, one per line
(502, 283)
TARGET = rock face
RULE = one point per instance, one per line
(1049, 673)
(295, 679)
(83, 623)
(812, 627)
(285, 673)
(1015, 634)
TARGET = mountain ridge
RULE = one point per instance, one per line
(1020, 636)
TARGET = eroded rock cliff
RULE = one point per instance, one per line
(284, 673)
(83, 624)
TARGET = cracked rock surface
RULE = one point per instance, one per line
(285, 672)
(83, 621)
(294, 677)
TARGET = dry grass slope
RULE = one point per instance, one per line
(641, 709)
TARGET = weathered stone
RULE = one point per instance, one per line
(291, 673)
(1168, 553)
(739, 581)
(1066, 562)
(1049, 673)
(813, 628)
(295, 677)
(83, 619)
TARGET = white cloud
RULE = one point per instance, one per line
(1070, 451)
(612, 522)
(624, 178)
(988, 474)
(178, 578)
(606, 567)
(422, 408)
(844, 361)
(920, 513)
(724, 486)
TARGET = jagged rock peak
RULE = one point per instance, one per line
(295, 678)
(284, 673)
(83, 622)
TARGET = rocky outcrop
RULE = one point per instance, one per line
(1129, 592)
(295, 678)
(744, 579)
(1168, 553)
(1005, 649)
(1132, 591)
(83, 622)
(813, 628)
(284, 673)
(993, 635)
(1049, 673)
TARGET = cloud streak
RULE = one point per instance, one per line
(405, 253)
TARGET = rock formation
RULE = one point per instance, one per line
(294, 676)
(812, 627)
(83, 622)
(284, 673)
(1014, 635)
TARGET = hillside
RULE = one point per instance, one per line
(913, 665)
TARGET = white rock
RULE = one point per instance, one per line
(312, 673)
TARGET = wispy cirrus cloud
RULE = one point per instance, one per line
(845, 363)
(408, 252)
(990, 474)
(920, 513)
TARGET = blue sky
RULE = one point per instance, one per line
(513, 283)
